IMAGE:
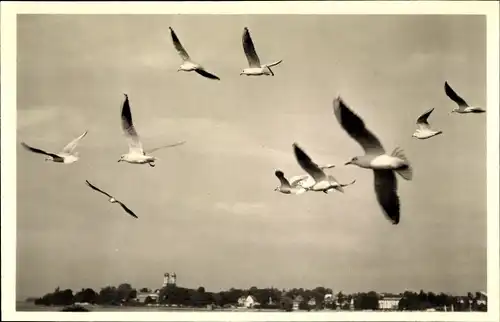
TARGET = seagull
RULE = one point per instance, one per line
(318, 180)
(256, 69)
(307, 180)
(135, 152)
(375, 158)
(112, 199)
(65, 156)
(289, 187)
(188, 65)
(463, 107)
(424, 130)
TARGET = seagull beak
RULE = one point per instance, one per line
(347, 163)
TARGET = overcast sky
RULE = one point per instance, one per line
(208, 211)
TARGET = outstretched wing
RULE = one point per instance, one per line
(178, 46)
(387, 196)
(35, 150)
(130, 212)
(307, 164)
(206, 74)
(274, 63)
(355, 127)
(327, 166)
(454, 96)
(249, 49)
(422, 120)
(296, 181)
(281, 176)
(135, 145)
(72, 145)
(164, 146)
(97, 189)
(348, 184)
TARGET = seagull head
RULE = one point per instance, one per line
(121, 158)
(277, 189)
(48, 159)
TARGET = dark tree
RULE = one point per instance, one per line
(87, 295)
(286, 303)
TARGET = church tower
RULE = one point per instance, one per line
(173, 279)
(166, 279)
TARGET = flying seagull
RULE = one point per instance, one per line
(112, 199)
(65, 156)
(256, 69)
(463, 107)
(375, 158)
(135, 152)
(305, 179)
(424, 130)
(291, 186)
(319, 180)
(187, 64)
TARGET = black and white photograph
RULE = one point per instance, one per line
(250, 161)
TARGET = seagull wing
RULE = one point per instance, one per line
(355, 127)
(130, 212)
(307, 164)
(249, 49)
(281, 176)
(206, 74)
(348, 184)
(333, 180)
(35, 150)
(178, 46)
(386, 191)
(72, 145)
(274, 64)
(422, 120)
(454, 96)
(296, 180)
(97, 189)
(164, 146)
(135, 145)
(327, 166)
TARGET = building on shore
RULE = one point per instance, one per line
(389, 302)
(248, 301)
(168, 280)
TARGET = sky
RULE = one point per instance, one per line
(208, 211)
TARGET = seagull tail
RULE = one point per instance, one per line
(406, 170)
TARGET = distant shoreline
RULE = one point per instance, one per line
(23, 306)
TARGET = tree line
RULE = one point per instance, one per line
(267, 298)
